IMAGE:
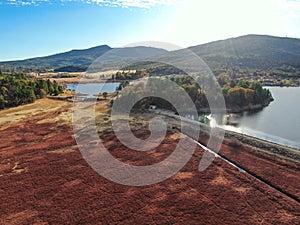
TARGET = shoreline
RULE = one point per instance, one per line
(270, 148)
(267, 147)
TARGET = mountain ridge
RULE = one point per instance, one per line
(256, 49)
(247, 52)
(241, 56)
(84, 57)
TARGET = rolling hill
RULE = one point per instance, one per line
(81, 59)
(244, 53)
(251, 51)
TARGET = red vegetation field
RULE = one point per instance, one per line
(45, 180)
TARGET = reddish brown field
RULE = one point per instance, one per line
(45, 180)
(282, 175)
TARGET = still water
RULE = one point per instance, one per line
(91, 89)
(279, 122)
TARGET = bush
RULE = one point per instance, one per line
(234, 142)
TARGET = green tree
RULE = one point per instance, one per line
(55, 88)
(16, 89)
(2, 102)
(105, 95)
(50, 87)
(237, 97)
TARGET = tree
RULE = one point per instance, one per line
(232, 83)
(243, 83)
(111, 102)
(31, 96)
(55, 88)
(236, 97)
(105, 95)
(50, 87)
(223, 79)
(2, 102)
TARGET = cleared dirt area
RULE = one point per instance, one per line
(45, 180)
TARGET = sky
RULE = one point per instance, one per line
(31, 28)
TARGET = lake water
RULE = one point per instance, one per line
(279, 122)
(91, 89)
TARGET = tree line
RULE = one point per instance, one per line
(128, 75)
(18, 89)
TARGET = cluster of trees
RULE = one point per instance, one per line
(17, 89)
(239, 94)
(122, 85)
(10, 69)
(134, 95)
(129, 75)
(164, 69)
(61, 75)
(243, 93)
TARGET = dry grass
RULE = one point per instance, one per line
(9, 117)
(45, 180)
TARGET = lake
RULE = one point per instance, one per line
(279, 122)
(93, 88)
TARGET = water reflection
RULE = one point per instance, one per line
(278, 123)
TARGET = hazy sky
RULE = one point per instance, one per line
(32, 28)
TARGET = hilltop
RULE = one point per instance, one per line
(252, 52)
(79, 60)
(272, 60)
(260, 56)
(249, 51)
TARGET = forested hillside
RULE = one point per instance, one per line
(254, 57)
(252, 52)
